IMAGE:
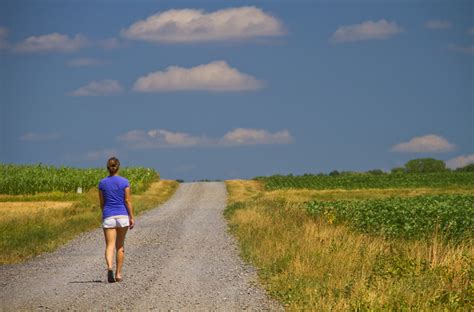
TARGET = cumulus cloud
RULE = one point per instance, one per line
(97, 88)
(215, 76)
(3, 38)
(460, 161)
(52, 42)
(191, 25)
(424, 144)
(461, 49)
(84, 61)
(159, 138)
(437, 24)
(368, 30)
(40, 137)
(242, 136)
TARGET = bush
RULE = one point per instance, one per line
(425, 165)
(468, 168)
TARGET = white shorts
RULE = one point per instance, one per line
(115, 222)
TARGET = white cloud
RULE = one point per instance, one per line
(242, 136)
(368, 30)
(100, 154)
(40, 137)
(461, 49)
(437, 24)
(424, 144)
(159, 138)
(97, 88)
(460, 161)
(84, 61)
(191, 25)
(52, 42)
(3, 38)
(215, 76)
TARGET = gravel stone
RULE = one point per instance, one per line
(178, 257)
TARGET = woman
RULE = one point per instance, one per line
(117, 216)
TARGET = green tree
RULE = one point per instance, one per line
(467, 168)
(425, 165)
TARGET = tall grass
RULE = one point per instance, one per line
(309, 264)
(46, 229)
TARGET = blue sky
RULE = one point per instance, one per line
(237, 89)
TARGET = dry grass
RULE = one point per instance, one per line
(10, 210)
(244, 189)
(30, 228)
(308, 264)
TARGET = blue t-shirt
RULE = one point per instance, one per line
(113, 191)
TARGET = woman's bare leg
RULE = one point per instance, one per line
(110, 238)
(119, 245)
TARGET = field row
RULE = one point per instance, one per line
(32, 179)
(366, 180)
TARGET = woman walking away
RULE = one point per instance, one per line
(117, 217)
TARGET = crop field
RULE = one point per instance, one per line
(32, 179)
(452, 216)
(359, 241)
(367, 180)
(40, 208)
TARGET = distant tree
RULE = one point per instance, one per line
(179, 180)
(467, 168)
(376, 172)
(398, 170)
(425, 165)
(334, 173)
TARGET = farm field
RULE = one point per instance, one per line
(43, 218)
(33, 179)
(368, 181)
(348, 248)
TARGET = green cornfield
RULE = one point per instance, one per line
(366, 181)
(33, 179)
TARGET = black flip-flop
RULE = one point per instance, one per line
(110, 276)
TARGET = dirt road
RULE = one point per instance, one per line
(178, 257)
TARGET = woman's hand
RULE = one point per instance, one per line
(132, 222)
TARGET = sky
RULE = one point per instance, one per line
(237, 89)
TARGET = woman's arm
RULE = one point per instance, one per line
(128, 204)
(101, 200)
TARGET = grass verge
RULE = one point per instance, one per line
(43, 229)
(308, 264)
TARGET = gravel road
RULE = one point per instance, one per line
(178, 257)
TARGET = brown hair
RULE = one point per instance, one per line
(113, 165)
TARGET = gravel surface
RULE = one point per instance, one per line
(179, 257)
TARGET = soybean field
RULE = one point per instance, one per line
(450, 216)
